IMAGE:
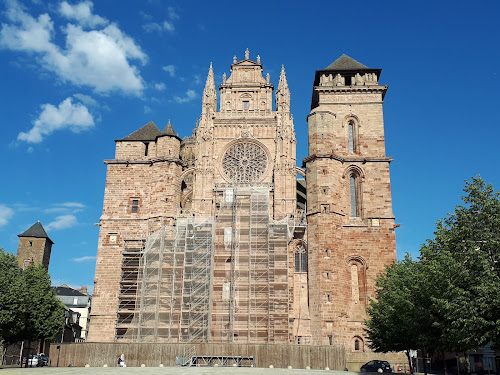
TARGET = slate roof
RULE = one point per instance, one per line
(148, 132)
(67, 291)
(345, 62)
(37, 231)
(169, 131)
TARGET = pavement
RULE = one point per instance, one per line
(168, 371)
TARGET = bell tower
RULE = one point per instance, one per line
(349, 212)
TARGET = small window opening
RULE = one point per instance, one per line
(328, 275)
(146, 148)
(27, 263)
(327, 253)
(246, 104)
(330, 339)
(351, 137)
(348, 80)
(322, 136)
(356, 344)
(329, 297)
(75, 301)
(135, 206)
(354, 196)
(30, 243)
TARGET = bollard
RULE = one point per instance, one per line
(235, 365)
(308, 368)
(290, 367)
(105, 365)
(87, 365)
(271, 366)
(161, 365)
(143, 365)
(327, 368)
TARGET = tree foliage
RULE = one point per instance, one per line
(448, 300)
(29, 308)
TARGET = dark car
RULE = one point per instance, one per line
(376, 366)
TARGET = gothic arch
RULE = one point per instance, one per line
(301, 171)
(358, 344)
(356, 269)
(186, 172)
(353, 169)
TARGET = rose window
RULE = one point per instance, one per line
(244, 163)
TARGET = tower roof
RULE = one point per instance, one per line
(148, 132)
(37, 231)
(345, 62)
(169, 131)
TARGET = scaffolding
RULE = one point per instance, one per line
(172, 286)
(218, 279)
(250, 268)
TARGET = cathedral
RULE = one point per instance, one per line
(224, 237)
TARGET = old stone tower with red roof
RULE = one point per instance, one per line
(221, 237)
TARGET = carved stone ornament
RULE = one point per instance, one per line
(244, 163)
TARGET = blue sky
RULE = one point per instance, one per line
(76, 75)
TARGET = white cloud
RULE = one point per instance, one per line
(170, 69)
(75, 117)
(87, 100)
(169, 26)
(62, 222)
(172, 14)
(72, 204)
(154, 26)
(160, 86)
(147, 109)
(5, 214)
(95, 58)
(190, 95)
(84, 259)
(82, 13)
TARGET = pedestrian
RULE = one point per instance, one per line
(122, 360)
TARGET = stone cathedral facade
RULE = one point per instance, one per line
(221, 237)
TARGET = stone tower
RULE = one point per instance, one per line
(34, 247)
(349, 210)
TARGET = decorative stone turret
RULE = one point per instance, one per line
(209, 101)
(283, 93)
(246, 89)
(168, 143)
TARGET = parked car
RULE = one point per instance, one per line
(37, 361)
(376, 366)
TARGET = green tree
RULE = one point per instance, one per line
(469, 242)
(447, 301)
(45, 317)
(29, 308)
(12, 306)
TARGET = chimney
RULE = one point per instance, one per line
(83, 290)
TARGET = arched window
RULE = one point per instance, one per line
(300, 257)
(358, 344)
(351, 137)
(356, 271)
(355, 188)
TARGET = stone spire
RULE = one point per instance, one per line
(283, 93)
(169, 130)
(209, 94)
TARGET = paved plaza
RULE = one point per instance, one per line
(168, 371)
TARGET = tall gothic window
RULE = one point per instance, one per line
(354, 190)
(300, 258)
(351, 137)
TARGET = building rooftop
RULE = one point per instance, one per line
(37, 231)
(148, 132)
(345, 62)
